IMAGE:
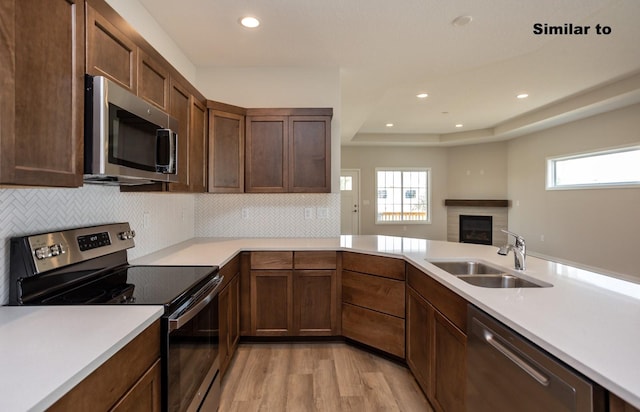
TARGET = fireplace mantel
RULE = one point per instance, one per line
(477, 202)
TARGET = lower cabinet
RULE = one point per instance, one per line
(229, 313)
(293, 294)
(618, 405)
(436, 341)
(373, 301)
(128, 381)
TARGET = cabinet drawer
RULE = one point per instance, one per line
(374, 292)
(271, 260)
(375, 265)
(373, 328)
(453, 306)
(315, 260)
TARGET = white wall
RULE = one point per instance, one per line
(596, 227)
(367, 158)
(477, 171)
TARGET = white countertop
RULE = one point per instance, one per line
(588, 320)
(47, 350)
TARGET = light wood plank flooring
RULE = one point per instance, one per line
(300, 377)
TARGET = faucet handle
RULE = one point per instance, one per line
(519, 239)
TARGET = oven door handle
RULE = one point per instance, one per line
(195, 309)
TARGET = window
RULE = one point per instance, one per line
(606, 168)
(403, 195)
(346, 183)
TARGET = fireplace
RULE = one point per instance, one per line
(476, 229)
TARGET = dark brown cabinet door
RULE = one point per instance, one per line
(315, 302)
(110, 52)
(180, 107)
(226, 152)
(272, 302)
(419, 342)
(42, 92)
(198, 147)
(267, 153)
(153, 81)
(310, 154)
(145, 394)
(447, 390)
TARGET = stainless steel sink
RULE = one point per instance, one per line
(502, 280)
(486, 276)
(467, 268)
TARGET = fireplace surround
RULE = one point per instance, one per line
(496, 209)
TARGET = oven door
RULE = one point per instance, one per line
(191, 379)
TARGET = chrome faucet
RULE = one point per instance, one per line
(519, 250)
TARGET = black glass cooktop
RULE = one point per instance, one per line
(141, 285)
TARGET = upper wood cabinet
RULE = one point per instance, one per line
(153, 80)
(226, 148)
(110, 52)
(310, 154)
(192, 140)
(42, 92)
(198, 139)
(180, 108)
(267, 154)
(288, 150)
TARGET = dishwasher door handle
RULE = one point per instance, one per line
(523, 364)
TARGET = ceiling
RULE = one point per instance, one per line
(387, 52)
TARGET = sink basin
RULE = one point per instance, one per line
(486, 276)
(467, 268)
(502, 280)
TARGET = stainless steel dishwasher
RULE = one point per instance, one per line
(505, 372)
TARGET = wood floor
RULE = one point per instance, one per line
(299, 377)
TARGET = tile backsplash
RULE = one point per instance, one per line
(267, 215)
(159, 219)
(162, 219)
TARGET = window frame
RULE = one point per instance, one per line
(550, 180)
(427, 170)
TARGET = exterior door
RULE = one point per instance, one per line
(350, 202)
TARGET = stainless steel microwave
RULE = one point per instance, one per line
(128, 141)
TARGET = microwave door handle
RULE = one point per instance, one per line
(173, 142)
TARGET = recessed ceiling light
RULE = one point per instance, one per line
(522, 96)
(422, 95)
(459, 125)
(461, 21)
(250, 22)
(389, 125)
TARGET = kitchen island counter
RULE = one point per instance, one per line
(586, 319)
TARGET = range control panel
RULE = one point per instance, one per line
(93, 241)
(57, 249)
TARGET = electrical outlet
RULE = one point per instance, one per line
(146, 220)
(245, 213)
(308, 213)
(322, 213)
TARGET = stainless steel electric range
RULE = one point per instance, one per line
(89, 266)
